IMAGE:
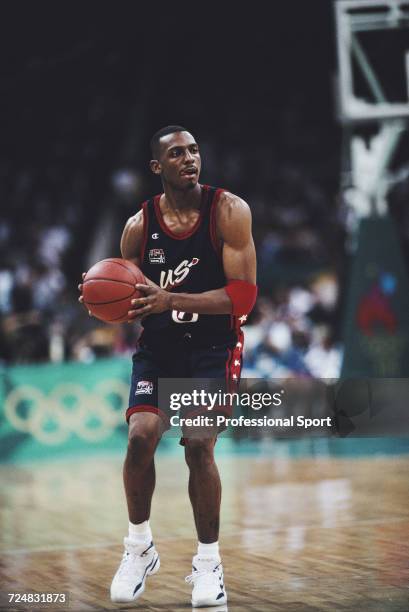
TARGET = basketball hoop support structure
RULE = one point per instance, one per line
(365, 181)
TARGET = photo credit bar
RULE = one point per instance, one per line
(278, 408)
(221, 420)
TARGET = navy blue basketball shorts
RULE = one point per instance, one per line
(181, 359)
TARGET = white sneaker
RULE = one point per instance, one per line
(208, 583)
(137, 563)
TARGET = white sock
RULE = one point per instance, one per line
(208, 551)
(140, 533)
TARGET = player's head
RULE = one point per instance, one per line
(176, 157)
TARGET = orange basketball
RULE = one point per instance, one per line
(109, 287)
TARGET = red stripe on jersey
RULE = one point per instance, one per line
(167, 230)
(145, 231)
(213, 228)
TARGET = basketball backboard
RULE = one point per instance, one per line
(373, 59)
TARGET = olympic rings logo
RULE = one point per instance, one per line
(69, 408)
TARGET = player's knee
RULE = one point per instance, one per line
(142, 442)
(199, 451)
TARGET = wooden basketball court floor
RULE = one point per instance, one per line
(298, 534)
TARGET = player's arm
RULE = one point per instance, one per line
(239, 263)
(132, 237)
(131, 242)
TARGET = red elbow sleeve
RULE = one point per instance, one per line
(243, 296)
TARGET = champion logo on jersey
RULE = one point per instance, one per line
(171, 278)
(155, 236)
(157, 256)
(144, 386)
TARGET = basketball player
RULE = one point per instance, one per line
(194, 244)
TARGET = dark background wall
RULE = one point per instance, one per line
(82, 89)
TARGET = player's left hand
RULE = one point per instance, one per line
(81, 298)
(154, 301)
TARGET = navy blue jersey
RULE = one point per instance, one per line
(188, 263)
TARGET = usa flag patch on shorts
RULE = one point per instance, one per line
(144, 386)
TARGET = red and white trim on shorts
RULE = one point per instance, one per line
(148, 408)
(234, 362)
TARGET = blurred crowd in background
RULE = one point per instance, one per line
(68, 212)
(75, 166)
